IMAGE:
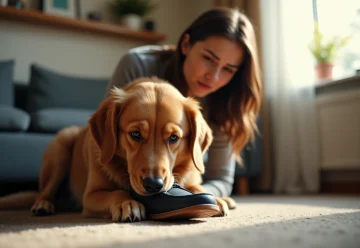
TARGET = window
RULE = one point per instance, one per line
(341, 18)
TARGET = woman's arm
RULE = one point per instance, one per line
(220, 166)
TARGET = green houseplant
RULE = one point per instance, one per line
(325, 52)
(131, 12)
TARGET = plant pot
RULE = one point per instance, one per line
(324, 71)
(132, 21)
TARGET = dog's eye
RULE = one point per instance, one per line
(136, 135)
(173, 138)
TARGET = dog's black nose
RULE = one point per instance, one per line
(153, 184)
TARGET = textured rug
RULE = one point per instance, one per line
(258, 221)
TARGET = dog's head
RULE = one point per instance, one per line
(155, 129)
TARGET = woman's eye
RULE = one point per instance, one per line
(173, 139)
(136, 135)
(211, 60)
(229, 70)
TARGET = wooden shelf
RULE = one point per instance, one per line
(96, 28)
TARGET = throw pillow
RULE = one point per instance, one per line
(49, 89)
(6, 82)
(51, 120)
(13, 119)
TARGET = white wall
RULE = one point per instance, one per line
(85, 54)
(64, 51)
(173, 16)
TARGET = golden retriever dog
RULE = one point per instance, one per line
(148, 129)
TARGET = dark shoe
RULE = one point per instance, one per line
(178, 203)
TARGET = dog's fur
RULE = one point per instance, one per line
(103, 159)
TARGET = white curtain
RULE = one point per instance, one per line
(286, 30)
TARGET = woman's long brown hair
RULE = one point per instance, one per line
(235, 106)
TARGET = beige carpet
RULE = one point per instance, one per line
(258, 221)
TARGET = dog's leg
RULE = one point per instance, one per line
(51, 176)
(56, 164)
(224, 203)
(117, 204)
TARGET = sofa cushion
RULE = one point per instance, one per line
(51, 120)
(6, 82)
(49, 89)
(21, 155)
(13, 119)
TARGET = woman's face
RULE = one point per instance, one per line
(210, 64)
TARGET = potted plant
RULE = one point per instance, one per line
(131, 12)
(325, 52)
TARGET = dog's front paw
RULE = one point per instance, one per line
(224, 209)
(128, 211)
(43, 208)
(230, 202)
(225, 203)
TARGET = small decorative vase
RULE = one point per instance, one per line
(324, 71)
(132, 21)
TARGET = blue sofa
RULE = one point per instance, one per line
(31, 114)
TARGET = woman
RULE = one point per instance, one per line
(216, 62)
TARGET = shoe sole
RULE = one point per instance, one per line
(197, 211)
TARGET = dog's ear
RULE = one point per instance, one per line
(200, 133)
(104, 124)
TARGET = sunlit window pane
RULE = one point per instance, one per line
(342, 17)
